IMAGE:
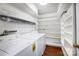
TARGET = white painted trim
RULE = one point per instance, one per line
(64, 52)
(54, 44)
(48, 15)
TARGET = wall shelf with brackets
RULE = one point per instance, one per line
(14, 19)
(67, 31)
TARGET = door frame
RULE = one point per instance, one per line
(74, 30)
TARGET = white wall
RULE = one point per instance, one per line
(6, 9)
(20, 27)
(50, 25)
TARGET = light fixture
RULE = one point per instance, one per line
(43, 3)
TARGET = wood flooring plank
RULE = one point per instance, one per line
(53, 51)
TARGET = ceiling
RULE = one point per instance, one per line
(42, 9)
(23, 7)
(48, 8)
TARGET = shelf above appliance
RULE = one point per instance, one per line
(14, 19)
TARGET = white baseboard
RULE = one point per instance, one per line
(54, 44)
(64, 52)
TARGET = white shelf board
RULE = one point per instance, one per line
(68, 25)
(69, 52)
(69, 41)
(68, 32)
(68, 19)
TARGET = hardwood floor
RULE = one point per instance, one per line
(53, 51)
